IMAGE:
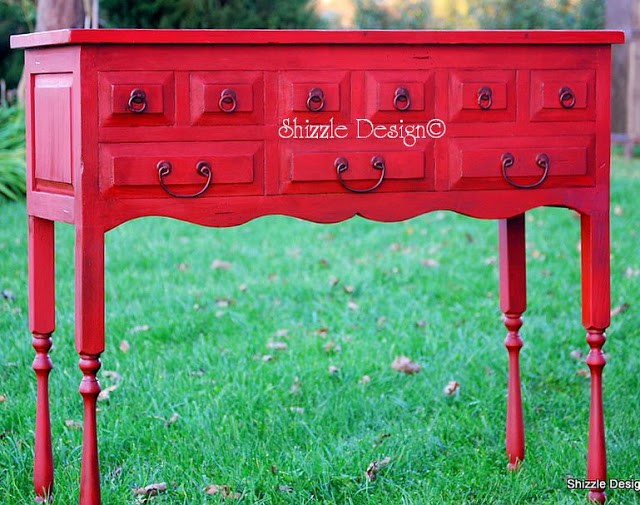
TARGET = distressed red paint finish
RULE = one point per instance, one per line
(123, 124)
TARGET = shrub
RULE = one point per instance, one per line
(12, 153)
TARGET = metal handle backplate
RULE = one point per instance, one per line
(137, 101)
(342, 165)
(508, 160)
(202, 167)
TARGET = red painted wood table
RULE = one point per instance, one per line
(220, 127)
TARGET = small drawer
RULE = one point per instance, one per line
(136, 98)
(237, 168)
(316, 96)
(226, 98)
(521, 163)
(563, 95)
(392, 96)
(317, 171)
(482, 96)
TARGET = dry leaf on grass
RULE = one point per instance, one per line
(172, 420)
(333, 370)
(285, 489)
(139, 328)
(430, 262)
(73, 425)
(583, 372)
(349, 289)
(405, 365)
(322, 331)
(333, 280)
(332, 347)
(576, 354)
(220, 265)
(8, 295)
(296, 387)
(224, 491)
(352, 305)
(297, 410)
(3, 398)
(374, 468)
(151, 489)
(365, 379)
(183, 266)
(104, 394)
(277, 346)
(267, 357)
(124, 346)
(451, 388)
(619, 309)
(282, 333)
(618, 210)
(113, 375)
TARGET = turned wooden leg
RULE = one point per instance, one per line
(90, 345)
(513, 302)
(595, 318)
(42, 325)
(90, 471)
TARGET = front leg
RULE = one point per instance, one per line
(42, 324)
(596, 318)
(513, 302)
(90, 345)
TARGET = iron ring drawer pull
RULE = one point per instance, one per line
(202, 167)
(315, 101)
(228, 101)
(401, 99)
(137, 101)
(542, 160)
(485, 98)
(342, 165)
(567, 97)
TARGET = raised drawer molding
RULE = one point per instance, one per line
(219, 127)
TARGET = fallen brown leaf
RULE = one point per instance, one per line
(297, 410)
(332, 347)
(352, 305)
(124, 346)
(374, 468)
(421, 324)
(296, 387)
(349, 289)
(224, 491)
(583, 372)
(381, 321)
(333, 370)
(333, 280)
(277, 346)
(104, 394)
(139, 328)
(218, 264)
(405, 365)
(576, 354)
(619, 309)
(267, 357)
(151, 489)
(73, 425)
(3, 398)
(451, 388)
(172, 420)
(322, 331)
(242, 287)
(285, 489)
(282, 333)
(183, 266)
(430, 262)
(380, 439)
(113, 375)
(618, 210)
(323, 262)
(365, 379)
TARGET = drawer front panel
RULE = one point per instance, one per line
(237, 168)
(563, 95)
(226, 98)
(136, 98)
(315, 95)
(476, 164)
(482, 96)
(316, 171)
(397, 95)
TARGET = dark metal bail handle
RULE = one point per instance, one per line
(401, 99)
(508, 160)
(567, 97)
(228, 101)
(202, 167)
(137, 101)
(342, 165)
(315, 100)
(485, 97)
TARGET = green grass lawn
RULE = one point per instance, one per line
(198, 403)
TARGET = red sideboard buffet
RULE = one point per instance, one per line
(219, 127)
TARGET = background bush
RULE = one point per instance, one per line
(12, 153)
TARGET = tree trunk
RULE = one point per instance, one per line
(53, 15)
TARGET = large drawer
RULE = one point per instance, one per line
(237, 168)
(521, 163)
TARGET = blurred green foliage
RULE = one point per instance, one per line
(12, 153)
(16, 16)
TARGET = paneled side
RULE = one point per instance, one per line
(52, 142)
